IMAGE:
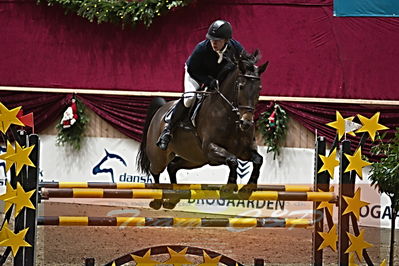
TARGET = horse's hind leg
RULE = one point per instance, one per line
(175, 165)
(247, 190)
(156, 203)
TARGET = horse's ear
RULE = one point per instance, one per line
(263, 67)
(255, 55)
(241, 64)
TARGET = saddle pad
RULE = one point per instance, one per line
(168, 114)
(195, 112)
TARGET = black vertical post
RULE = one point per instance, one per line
(20, 219)
(322, 182)
(89, 262)
(345, 189)
(7, 217)
(259, 262)
(31, 183)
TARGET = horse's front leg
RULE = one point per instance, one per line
(257, 161)
(219, 155)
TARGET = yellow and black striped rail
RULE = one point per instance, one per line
(110, 185)
(172, 222)
(182, 194)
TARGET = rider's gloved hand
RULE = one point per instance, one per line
(213, 84)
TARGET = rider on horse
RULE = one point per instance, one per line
(202, 68)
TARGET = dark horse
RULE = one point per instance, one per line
(225, 131)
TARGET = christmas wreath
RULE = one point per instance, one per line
(119, 11)
(72, 125)
(273, 126)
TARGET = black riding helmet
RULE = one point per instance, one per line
(219, 30)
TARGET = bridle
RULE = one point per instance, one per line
(235, 108)
(237, 87)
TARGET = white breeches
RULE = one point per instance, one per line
(190, 85)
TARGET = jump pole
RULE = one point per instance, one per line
(110, 185)
(172, 222)
(183, 194)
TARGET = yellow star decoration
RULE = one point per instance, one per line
(384, 262)
(10, 151)
(113, 263)
(3, 232)
(7, 197)
(8, 117)
(339, 124)
(343, 125)
(354, 204)
(326, 204)
(21, 157)
(358, 244)
(177, 258)
(145, 260)
(329, 163)
(15, 241)
(330, 239)
(352, 259)
(356, 163)
(208, 261)
(22, 199)
(371, 125)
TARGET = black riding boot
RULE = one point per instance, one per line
(177, 114)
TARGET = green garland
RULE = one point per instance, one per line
(74, 134)
(273, 126)
(118, 11)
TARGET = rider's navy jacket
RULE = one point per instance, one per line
(202, 65)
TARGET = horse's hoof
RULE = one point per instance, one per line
(245, 192)
(227, 191)
(156, 204)
(170, 204)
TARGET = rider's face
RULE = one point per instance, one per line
(217, 45)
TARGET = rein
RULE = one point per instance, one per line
(235, 109)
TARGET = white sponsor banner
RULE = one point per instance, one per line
(114, 160)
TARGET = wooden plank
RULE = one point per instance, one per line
(178, 94)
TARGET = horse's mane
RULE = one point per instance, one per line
(245, 60)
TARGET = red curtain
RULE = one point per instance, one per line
(311, 52)
(128, 114)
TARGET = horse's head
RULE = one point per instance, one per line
(248, 86)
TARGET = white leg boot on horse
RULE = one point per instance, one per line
(177, 115)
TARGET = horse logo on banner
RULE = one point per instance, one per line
(108, 164)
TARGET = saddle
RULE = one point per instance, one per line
(188, 122)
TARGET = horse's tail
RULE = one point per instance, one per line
(143, 163)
